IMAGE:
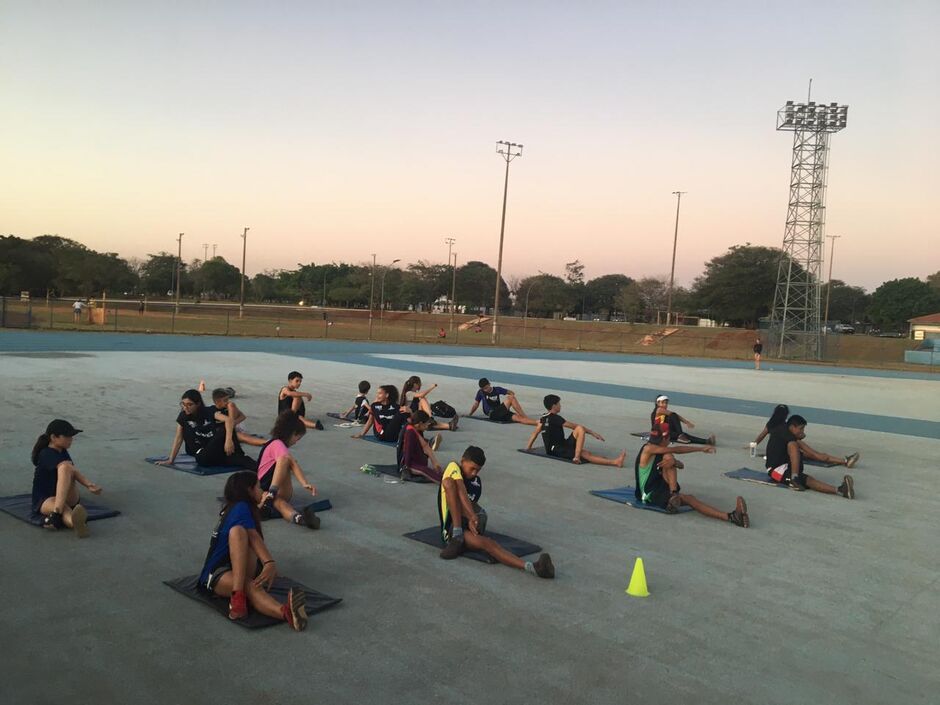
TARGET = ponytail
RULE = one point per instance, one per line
(41, 442)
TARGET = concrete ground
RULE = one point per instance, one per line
(822, 600)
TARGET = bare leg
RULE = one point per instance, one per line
(819, 486)
(285, 489)
(601, 460)
(51, 504)
(476, 542)
(702, 508)
(425, 406)
(439, 426)
(242, 557)
(578, 434)
(307, 422)
(519, 415)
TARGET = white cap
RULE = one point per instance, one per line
(662, 397)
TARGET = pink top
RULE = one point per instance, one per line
(274, 450)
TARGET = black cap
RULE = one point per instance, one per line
(61, 427)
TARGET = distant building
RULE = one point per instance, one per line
(924, 327)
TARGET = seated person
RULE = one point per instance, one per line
(276, 465)
(222, 400)
(359, 411)
(784, 462)
(56, 480)
(415, 454)
(413, 399)
(657, 480)
(496, 408)
(208, 434)
(237, 550)
(552, 427)
(463, 521)
(779, 416)
(290, 397)
(385, 415)
(202, 387)
(676, 433)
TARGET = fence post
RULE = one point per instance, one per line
(115, 317)
(579, 338)
(538, 343)
(228, 319)
(414, 330)
(173, 320)
(29, 314)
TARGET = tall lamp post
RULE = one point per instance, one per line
(241, 298)
(371, 295)
(508, 151)
(382, 297)
(179, 268)
(832, 252)
(450, 244)
(453, 291)
(675, 240)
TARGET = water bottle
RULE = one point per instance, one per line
(753, 447)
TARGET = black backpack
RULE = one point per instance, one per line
(443, 409)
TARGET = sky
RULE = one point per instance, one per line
(334, 130)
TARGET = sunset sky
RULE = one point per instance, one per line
(338, 129)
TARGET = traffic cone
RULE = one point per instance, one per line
(637, 587)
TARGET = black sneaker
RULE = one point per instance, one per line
(453, 422)
(311, 520)
(847, 488)
(267, 509)
(53, 522)
(544, 567)
(318, 426)
(453, 548)
(795, 485)
(672, 506)
(739, 516)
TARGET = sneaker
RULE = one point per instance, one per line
(544, 567)
(672, 506)
(847, 488)
(318, 426)
(80, 521)
(453, 422)
(238, 605)
(406, 475)
(267, 509)
(53, 522)
(739, 516)
(795, 486)
(311, 520)
(453, 548)
(436, 443)
(295, 610)
(851, 460)
(711, 440)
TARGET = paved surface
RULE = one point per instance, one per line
(823, 600)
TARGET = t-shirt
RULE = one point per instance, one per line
(286, 403)
(46, 474)
(659, 426)
(490, 400)
(758, 348)
(473, 486)
(237, 515)
(78, 306)
(361, 405)
(272, 451)
(778, 439)
(553, 431)
(410, 452)
(199, 429)
(387, 420)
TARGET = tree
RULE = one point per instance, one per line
(739, 285)
(216, 277)
(546, 295)
(574, 273)
(24, 267)
(847, 303)
(653, 293)
(158, 275)
(895, 301)
(476, 287)
(424, 283)
(602, 293)
(630, 302)
(934, 281)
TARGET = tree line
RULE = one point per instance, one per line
(736, 287)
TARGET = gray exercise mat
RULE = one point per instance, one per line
(749, 475)
(627, 495)
(187, 463)
(540, 453)
(318, 504)
(21, 507)
(432, 537)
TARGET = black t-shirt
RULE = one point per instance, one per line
(387, 420)
(758, 348)
(778, 439)
(553, 431)
(286, 403)
(362, 408)
(199, 429)
(46, 474)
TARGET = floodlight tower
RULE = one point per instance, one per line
(795, 322)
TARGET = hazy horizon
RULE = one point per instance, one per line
(334, 131)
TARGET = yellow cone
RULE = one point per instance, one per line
(637, 587)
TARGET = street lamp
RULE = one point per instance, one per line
(453, 292)
(382, 297)
(508, 151)
(832, 252)
(179, 269)
(241, 298)
(450, 243)
(675, 239)
(371, 294)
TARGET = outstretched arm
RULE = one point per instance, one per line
(761, 436)
(299, 474)
(177, 444)
(424, 394)
(473, 408)
(535, 434)
(681, 449)
(685, 421)
(82, 480)
(285, 392)
(365, 429)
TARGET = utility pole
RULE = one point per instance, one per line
(382, 297)
(832, 252)
(508, 151)
(241, 298)
(371, 295)
(179, 268)
(453, 292)
(675, 240)
(214, 246)
(450, 243)
(205, 251)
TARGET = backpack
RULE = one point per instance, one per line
(443, 409)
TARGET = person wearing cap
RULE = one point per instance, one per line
(676, 433)
(657, 484)
(56, 479)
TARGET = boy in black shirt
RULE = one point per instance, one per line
(496, 408)
(785, 451)
(290, 397)
(222, 400)
(359, 411)
(552, 427)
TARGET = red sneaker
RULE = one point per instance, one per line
(238, 605)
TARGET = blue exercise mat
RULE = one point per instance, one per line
(486, 418)
(540, 453)
(815, 463)
(316, 601)
(372, 439)
(21, 507)
(759, 476)
(319, 504)
(395, 471)
(187, 463)
(625, 495)
(432, 537)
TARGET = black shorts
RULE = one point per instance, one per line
(500, 413)
(214, 578)
(265, 482)
(565, 450)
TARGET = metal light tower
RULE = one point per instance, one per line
(794, 322)
(509, 151)
(453, 292)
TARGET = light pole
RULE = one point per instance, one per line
(832, 252)
(450, 243)
(675, 240)
(508, 151)
(241, 298)
(525, 315)
(179, 268)
(382, 297)
(214, 246)
(453, 292)
(205, 251)
(323, 300)
(371, 295)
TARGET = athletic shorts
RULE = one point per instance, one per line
(782, 474)
(500, 413)
(214, 578)
(566, 449)
(481, 523)
(657, 490)
(265, 482)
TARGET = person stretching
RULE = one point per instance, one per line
(415, 454)
(419, 400)
(56, 479)
(497, 409)
(552, 427)
(237, 549)
(359, 411)
(655, 471)
(676, 433)
(290, 397)
(463, 520)
(385, 415)
(208, 435)
(785, 452)
(779, 416)
(276, 465)
(222, 400)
